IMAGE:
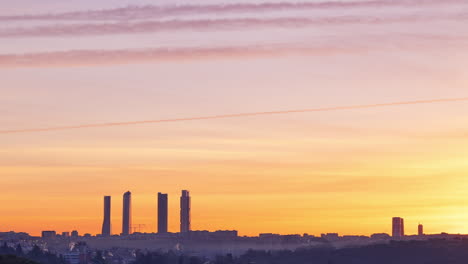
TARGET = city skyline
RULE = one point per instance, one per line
(340, 119)
(395, 229)
(398, 227)
(397, 223)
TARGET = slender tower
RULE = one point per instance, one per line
(420, 230)
(127, 214)
(106, 225)
(185, 212)
(402, 227)
(162, 213)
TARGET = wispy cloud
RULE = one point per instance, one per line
(324, 47)
(213, 24)
(105, 57)
(151, 11)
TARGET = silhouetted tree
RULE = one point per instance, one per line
(12, 259)
(19, 250)
(195, 260)
(98, 259)
(35, 252)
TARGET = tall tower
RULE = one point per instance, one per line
(398, 227)
(106, 225)
(402, 227)
(162, 213)
(420, 230)
(185, 212)
(127, 214)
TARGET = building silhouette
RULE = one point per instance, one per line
(48, 234)
(127, 214)
(106, 225)
(185, 212)
(420, 230)
(162, 213)
(75, 233)
(398, 227)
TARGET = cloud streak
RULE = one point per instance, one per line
(213, 24)
(126, 56)
(151, 11)
(319, 47)
(239, 115)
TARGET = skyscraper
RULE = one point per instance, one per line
(398, 227)
(162, 213)
(106, 225)
(420, 230)
(185, 212)
(127, 214)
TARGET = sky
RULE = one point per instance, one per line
(65, 63)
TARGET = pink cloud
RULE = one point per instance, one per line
(213, 24)
(105, 57)
(145, 12)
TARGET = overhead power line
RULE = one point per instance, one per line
(323, 109)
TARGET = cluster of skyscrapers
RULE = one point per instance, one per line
(398, 226)
(162, 213)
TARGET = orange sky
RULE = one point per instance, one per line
(254, 176)
(346, 171)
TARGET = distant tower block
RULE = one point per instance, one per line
(402, 227)
(398, 227)
(185, 212)
(127, 214)
(420, 230)
(106, 225)
(162, 213)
